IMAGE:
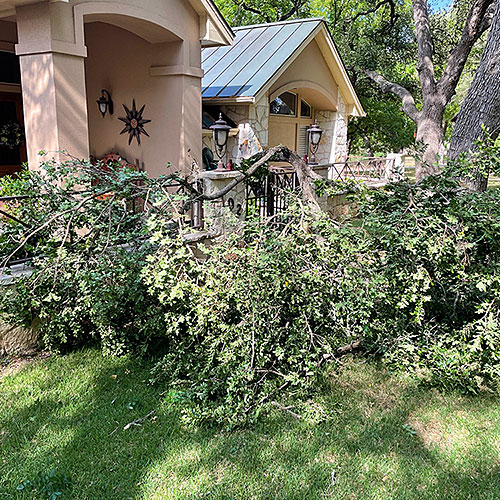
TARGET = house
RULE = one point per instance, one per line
(92, 77)
(273, 82)
(57, 56)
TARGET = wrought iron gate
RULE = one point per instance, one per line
(266, 196)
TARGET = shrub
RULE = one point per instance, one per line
(89, 248)
(441, 248)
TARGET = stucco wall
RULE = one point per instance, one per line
(150, 52)
(310, 74)
(120, 62)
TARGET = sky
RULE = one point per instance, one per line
(440, 4)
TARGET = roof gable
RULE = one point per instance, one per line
(257, 53)
(261, 53)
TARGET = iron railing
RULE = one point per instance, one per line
(364, 169)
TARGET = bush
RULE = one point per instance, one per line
(441, 246)
(88, 247)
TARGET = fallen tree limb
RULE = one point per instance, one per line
(304, 173)
(139, 421)
(346, 349)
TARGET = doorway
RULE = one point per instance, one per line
(11, 113)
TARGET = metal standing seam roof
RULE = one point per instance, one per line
(242, 69)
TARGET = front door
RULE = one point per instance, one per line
(11, 112)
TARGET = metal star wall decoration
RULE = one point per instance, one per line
(134, 123)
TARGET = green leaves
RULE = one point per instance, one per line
(49, 485)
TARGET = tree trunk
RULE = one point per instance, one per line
(436, 95)
(430, 133)
(481, 107)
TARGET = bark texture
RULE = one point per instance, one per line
(481, 107)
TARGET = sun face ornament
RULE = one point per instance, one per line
(134, 123)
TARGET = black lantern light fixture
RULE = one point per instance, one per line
(105, 103)
(220, 130)
(314, 134)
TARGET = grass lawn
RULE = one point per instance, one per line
(382, 438)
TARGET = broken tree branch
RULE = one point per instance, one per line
(138, 421)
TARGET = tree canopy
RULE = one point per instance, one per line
(391, 38)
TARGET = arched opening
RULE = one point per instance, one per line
(121, 54)
(290, 115)
(294, 107)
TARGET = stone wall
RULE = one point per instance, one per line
(341, 132)
(259, 120)
(333, 145)
(252, 128)
(253, 122)
(326, 149)
(16, 340)
(224, 212)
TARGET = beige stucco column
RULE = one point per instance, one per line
(53, 81)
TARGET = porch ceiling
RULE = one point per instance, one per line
(8, 7)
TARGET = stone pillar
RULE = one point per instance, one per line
(326, 149)
(341, 132)
(218, 212)
(53, 81)
(259, 120)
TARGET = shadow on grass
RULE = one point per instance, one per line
(377, 438)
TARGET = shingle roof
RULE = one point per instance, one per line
(242, 69)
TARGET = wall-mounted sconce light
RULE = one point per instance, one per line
(315, 134)
(105, 103)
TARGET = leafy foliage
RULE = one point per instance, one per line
(45, 486)
(440, 275)
(248, 321)
(88, 246)
(253, 322)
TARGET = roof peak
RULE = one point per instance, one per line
(277, 23)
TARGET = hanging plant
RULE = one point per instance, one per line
(11, 135)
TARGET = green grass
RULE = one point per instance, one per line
(383, 437)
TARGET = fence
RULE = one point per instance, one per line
(365, 169)
(138, 204)
(266, 195)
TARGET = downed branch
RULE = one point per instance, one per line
(139, 421)
(304, 173)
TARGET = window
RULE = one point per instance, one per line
(285, 104)
(305, 109)
(9, 68)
